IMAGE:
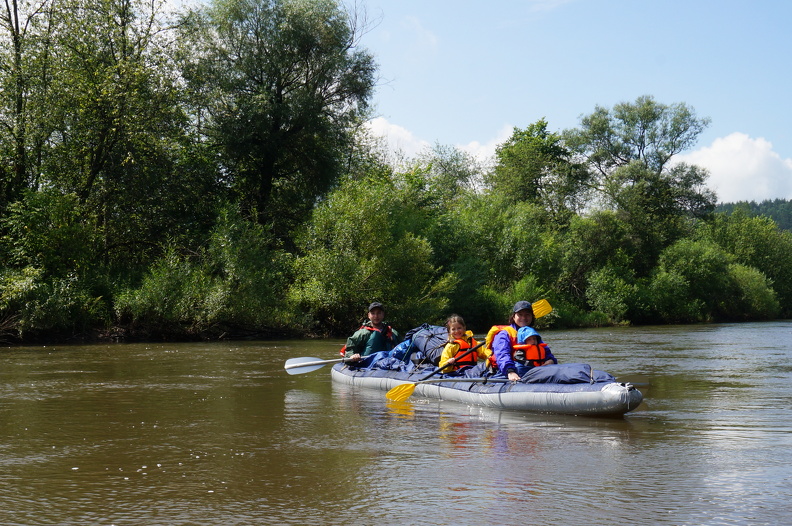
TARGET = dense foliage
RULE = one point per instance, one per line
(779, 210)
(207, 174)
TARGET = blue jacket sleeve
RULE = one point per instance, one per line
(501, 348)
(550, 355)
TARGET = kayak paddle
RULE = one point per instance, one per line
(400, 393)
(404, 391)
(307, 364)
(541, 308)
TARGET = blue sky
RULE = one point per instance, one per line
(465, 73)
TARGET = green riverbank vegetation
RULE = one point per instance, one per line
(207, 174)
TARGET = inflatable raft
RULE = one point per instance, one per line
(572, 389)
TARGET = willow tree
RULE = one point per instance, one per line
(26, 27)
(118, 127)
(278, 87)
(535, 165)
(629, 151)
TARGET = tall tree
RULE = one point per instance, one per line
(630, 149)
(25, 72)
(278, 85)
(644, 130)
(534, 165)
(118, 122)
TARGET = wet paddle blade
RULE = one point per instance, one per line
(306, 364)
(304, 369)
(400, 393)
(541, 308)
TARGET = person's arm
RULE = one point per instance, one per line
(549, 358)
(447, 356)
(354, 345)
(501, 347)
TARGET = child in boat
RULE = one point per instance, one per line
(460, 340)
(372, 337)
(530, 351)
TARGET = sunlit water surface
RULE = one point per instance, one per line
(219, 434)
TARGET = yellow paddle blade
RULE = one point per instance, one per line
(541, 308)
(400, 393)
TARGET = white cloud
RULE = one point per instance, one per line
(744, 169)
(399, 140)
(486, 152)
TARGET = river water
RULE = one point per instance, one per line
(219, 434)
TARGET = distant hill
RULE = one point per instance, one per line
(779, 210)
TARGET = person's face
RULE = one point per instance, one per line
(523, 318)
(531, 340)
(456, 330)
(376, 316)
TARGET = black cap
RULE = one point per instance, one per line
(521, 305)
(376, 305)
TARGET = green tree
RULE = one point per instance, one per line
(756, 242)
(25, 77)
(644, 130)
(779, 210)
(657, 208)
(590, 243)
(631, 149)
(534, 165)
(278, 87)
(119, 131)
(361, 245)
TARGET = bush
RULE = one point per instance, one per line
(236, 284)
(699, 272)
(754, 298)
(40, 306)
(51, 232)
(361, 245)
(609, 293)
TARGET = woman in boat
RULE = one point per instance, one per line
(460, 340)
(502, 340)
(372, 337)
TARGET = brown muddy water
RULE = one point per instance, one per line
(219, 434)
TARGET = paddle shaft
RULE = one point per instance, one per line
(309, 364)
(446, 365)
(466, 380)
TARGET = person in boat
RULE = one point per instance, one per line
(460, 340)
(502, 341)
(531, 351)
(372, 337)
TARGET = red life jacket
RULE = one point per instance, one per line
(470, 359)
(388, 335)
(535, 355)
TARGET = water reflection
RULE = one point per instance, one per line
(217, 433)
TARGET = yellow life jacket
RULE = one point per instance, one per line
(491, 362)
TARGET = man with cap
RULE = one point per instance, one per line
(502, 339)
(372, 337)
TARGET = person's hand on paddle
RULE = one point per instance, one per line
(354, 358)
(513, 376)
